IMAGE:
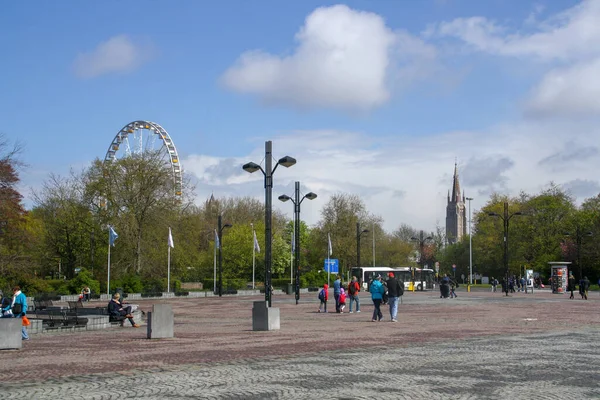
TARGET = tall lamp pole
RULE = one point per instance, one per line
(268, 172)
(421, 240)
(220, 228)
(506, 219)
(358, 234)
(470, 245)
(297, 201)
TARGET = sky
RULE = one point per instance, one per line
(375, 98)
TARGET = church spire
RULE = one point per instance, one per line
(455, 185)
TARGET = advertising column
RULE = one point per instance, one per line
(559, 276)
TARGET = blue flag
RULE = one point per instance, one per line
(217, 242)
(112, 236)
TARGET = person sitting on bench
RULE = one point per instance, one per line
(118, 310)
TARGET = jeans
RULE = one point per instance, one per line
(377, 310)
(336, 296)
(354, 298)
(24, 333)
(393, 302)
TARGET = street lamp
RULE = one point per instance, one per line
(470, 245)
(268, 172)
(297, 201)
(358, 233)
(505, 218)
(220, 228)
(421, 241)
(579, 234)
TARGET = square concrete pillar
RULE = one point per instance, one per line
(264, 318)
(160, 322)
(10, 333)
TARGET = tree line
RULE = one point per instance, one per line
(61, 243)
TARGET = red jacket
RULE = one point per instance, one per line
(326, 288)
(356, 284)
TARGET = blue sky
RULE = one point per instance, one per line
(374, 98)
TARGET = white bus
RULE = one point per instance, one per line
(423, 278)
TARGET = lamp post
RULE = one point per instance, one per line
(220, 228)
(470, 245)
(297, 201)
(506, 219)
(358, 234)
(268, 172)
(421, 241)
(579, 234)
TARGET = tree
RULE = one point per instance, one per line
(15, 238)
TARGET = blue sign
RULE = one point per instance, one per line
(334, 266)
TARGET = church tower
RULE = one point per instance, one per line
(456, 216)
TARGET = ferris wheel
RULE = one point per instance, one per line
(140, 136)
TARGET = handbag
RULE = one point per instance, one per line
(26, 321)
(17, 308)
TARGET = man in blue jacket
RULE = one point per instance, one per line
(19, 308)
(337, 285)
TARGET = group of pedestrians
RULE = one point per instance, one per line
(340, 295)
(392, 289)
(584, 286)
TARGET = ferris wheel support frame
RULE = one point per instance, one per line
(164, 136)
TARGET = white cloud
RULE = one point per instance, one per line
(397, 182)
(117, 54)
(572, 91)
(345, 59)
(571, 35)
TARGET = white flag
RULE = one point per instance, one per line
(256, 246)
(329, 244)
(171, 244)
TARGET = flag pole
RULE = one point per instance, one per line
(253, 254)
(169, 269)
(108, 277)
(215, 267)
(292, 259)
(328, 255)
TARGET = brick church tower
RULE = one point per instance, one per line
(456, 216)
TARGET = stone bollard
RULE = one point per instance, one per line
(160, 322)
(264, 318)
(10, 333)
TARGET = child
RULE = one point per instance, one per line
(323, 296)
(342, 300)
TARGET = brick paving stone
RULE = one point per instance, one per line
(478, 346)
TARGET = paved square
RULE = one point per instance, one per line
(479, 346)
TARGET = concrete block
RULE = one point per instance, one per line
(168, 294)
(160, 322)
(10, 333)
(264, 318)
(35, 327)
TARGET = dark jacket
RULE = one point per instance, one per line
(393, 287)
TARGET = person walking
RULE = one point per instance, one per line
(395, 290)
(572, 283)
(323, 296)
(377, 291)
(584, 286)
(353, 289)
(337, 285)
(18, 308)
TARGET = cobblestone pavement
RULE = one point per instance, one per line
(479, 346)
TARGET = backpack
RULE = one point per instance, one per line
(322, 295)
(352, 289)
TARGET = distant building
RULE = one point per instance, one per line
(456, 216)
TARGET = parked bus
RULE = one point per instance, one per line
(423, 278)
